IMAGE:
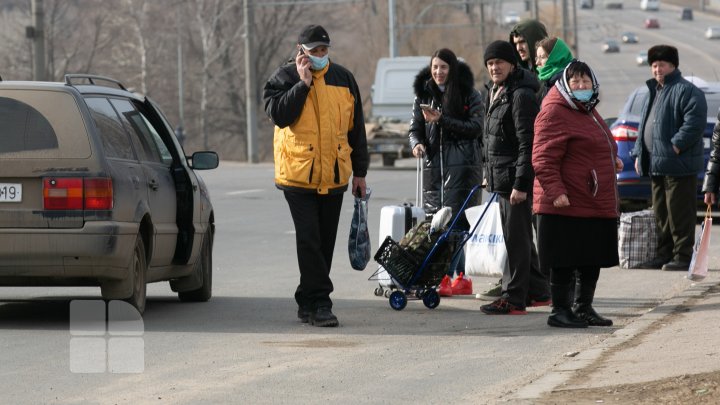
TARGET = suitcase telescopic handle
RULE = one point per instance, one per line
(419, 182)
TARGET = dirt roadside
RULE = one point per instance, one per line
(682, 389)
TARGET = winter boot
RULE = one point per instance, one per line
(562, 315)
(584, 294)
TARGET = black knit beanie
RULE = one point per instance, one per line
(500, 50)
(664, 53)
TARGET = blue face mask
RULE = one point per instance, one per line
(318, 63)
(583, 95)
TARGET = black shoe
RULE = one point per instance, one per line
(502, 307)
(564, 318)
(588, 314)
(323, 316)
(656, 263)
(676, 265)
(304, 314)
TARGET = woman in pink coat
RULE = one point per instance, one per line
(575, 195)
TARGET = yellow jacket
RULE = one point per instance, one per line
(319, 137)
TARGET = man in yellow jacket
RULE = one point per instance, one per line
(319, 143)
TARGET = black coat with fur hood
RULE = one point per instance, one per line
(452, 164)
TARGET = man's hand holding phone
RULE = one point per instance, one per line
(302, 61)
(430, 113)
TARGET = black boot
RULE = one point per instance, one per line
(584, 294)
(562, 315)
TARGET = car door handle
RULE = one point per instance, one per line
(153, 184)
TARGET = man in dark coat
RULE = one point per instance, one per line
(524, 36)
(511, 109)
(669, 149)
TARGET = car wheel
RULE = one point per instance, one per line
(388, 160)
(204, 266)
(138, 269)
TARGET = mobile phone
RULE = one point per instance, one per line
(426, 107)
(301, 50)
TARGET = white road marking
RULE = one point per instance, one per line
(257, 190)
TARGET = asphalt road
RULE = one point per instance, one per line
(247, 346)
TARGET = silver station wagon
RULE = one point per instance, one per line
(95, 190)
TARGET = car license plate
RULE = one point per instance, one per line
(706, 142)
(10, 192)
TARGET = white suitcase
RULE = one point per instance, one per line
(395, 221)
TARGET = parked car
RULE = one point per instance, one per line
(642, 58)
(587, 4)
(614, 4)
(625, 131)
(712, 33)
(610, 46)
(101, 194)
(629, 38)
(686, 14)
(652, 23)
(511, 18)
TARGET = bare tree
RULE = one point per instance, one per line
(15, 49)
(73, 47)
(138, 11)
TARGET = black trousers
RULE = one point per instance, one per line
(675, 206)
(316, 220)
(523, 273)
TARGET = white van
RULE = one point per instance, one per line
(392, 92)
(650, 5)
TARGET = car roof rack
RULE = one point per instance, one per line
(91, 79)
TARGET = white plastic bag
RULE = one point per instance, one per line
(485, 253)
(698, 269)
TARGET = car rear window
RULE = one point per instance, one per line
(41, 124)
(639, 96)
(638, 101)
(713, 104)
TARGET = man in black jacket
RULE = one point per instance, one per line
(511, 108)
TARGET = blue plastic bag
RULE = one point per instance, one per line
(359, 242)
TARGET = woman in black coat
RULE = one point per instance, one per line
(446, 129)
(448, 133)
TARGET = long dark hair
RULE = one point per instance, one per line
(452, 98)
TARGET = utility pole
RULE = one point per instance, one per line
(37, 34)
(250, 97)
(565, 20)
(391, 26)
(576, 40)
(180, 130)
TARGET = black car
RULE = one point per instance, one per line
(95, 190)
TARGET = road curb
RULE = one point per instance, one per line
(558, 376)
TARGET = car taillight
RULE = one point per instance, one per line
(624, 133)
(77, 193)
(98, 194)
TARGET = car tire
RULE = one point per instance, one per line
(138, 271)
(204, 266)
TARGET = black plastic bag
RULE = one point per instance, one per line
(359, 242)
